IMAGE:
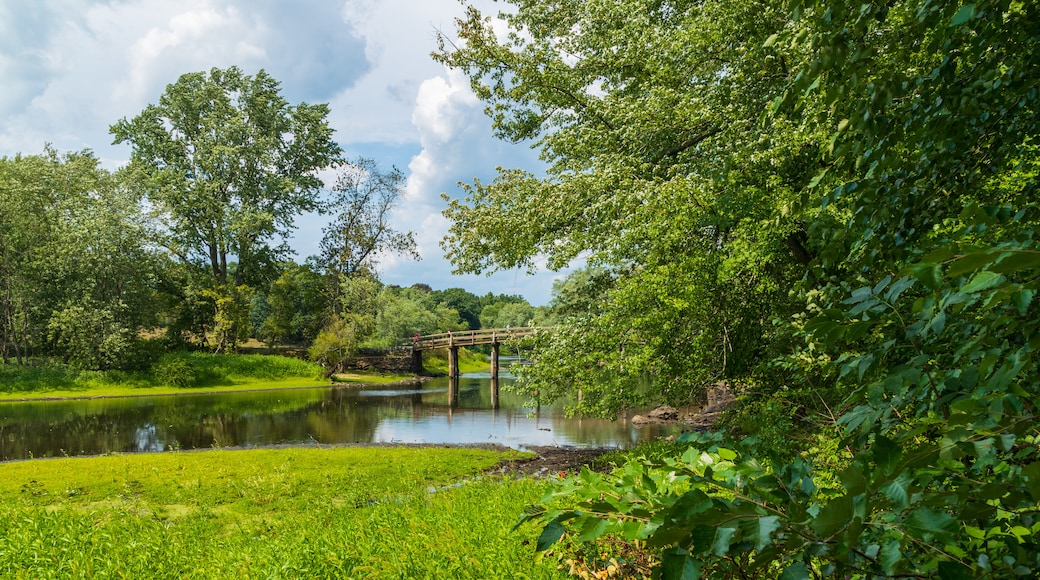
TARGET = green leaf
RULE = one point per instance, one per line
(886, 453)
(530, 512)
(897, 288)
(1016, 261)
(796, 571)
(1032, 474)
(966, 13)
(954, 571)
(723, 538)
(898, 491)
(932, 523)
(760, 530)
(676, 564)
(1022, 299)
(833, 516)
(928, 273)
(969, 263)
(818, 178)
(983, 280)
(551, 534)
(891, 555)
(591, 529)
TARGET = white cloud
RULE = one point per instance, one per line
(457, 145)
(71, 68)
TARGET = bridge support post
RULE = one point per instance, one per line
(453, 361)
(417, 364)
(494, 393)
(494, 360)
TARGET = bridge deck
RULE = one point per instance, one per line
(472, 337)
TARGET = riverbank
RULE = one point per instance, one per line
(373, 512)
(194, 374)
(208, 374)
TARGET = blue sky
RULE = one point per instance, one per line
(71, 68)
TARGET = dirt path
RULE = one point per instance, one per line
(554, 460)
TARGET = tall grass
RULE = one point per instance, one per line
(170, 373)
(224, 369)
(282, 513)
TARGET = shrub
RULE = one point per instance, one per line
(176, 372)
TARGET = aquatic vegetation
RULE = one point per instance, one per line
(293, 513)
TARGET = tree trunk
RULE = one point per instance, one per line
(796, 243)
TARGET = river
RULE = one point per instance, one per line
(320, 416)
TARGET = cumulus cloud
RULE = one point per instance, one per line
(398, 36)
(457, 145)
(71, 68)
(76, 67)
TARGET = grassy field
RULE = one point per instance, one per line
(195, 372)
(175, 373)
(272, 513)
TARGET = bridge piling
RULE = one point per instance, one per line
(417, 362)
(453, 361)
(494, 360)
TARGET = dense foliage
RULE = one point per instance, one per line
(184, 248)
(831, 205)
(660, 173)
(77, 262)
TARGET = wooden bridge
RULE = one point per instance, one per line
(453, 340)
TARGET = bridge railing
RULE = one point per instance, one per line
(472, 337)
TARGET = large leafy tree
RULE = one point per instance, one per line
(78, 268)
(466, 303)
(923, 299)
(661, 171)
(229, 164)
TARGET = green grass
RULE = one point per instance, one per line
(370, 377)
(435, 362)
(272, 513)
(209, 372)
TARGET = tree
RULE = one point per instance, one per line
(353, 322)
(296, 306)
(229, 164)
(78, 270)
(403, 312)
(364, 197)
(921, 305)
(466, 303)
(24, 219)
(580, 294)
(662, 172)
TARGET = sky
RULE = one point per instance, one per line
(71, 68)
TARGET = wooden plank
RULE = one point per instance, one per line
(472, 337)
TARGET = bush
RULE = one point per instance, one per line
(175, 371)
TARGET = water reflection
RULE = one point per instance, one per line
(440, 411)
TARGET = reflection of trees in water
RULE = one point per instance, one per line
(601, 432)
(161, 423)
(68, 435)
(339, 415)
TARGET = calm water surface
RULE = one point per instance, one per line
(323, 415)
